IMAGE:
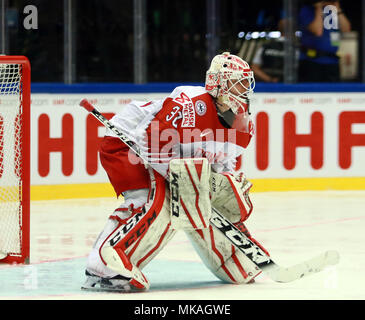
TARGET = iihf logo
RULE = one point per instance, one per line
(200, 107)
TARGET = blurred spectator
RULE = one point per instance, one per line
(268, 62)
(321, 23)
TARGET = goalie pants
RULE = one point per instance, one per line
(141, 227)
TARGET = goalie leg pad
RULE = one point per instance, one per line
(189, 193)
(221, 257)
(132, 238)
(159, 233)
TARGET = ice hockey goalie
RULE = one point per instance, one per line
(192, 140)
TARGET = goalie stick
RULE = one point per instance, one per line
(235, 236)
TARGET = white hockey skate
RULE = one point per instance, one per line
(117, 284)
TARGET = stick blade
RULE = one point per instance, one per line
(306, 268)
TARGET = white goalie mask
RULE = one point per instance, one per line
(231, 81)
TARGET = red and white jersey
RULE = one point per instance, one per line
(183, 125)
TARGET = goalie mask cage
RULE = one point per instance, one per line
(14, 159)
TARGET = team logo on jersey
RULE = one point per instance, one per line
(200, 107)
(188, 116)
(188, 113)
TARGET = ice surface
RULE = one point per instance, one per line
(293, 226)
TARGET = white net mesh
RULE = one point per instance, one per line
(10, 158)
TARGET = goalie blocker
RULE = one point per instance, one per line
(139, 229)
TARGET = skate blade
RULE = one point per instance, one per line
(98, 286)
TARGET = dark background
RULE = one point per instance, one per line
(176, 36)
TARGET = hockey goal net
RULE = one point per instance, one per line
(14, 159)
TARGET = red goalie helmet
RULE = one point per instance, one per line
(231, 81)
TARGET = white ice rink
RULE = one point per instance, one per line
(293, 226)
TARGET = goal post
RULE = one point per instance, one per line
(14, 159)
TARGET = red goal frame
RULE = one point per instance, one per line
(24, 255)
